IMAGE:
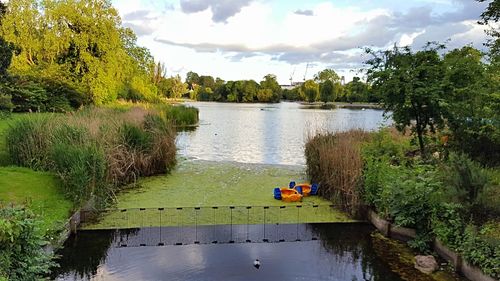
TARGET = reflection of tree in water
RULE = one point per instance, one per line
(83, 253)
(352, 244)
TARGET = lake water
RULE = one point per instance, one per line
(246, 133)
(343, 252)
(266, 133)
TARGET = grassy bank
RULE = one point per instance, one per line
(40, 191)
(446, 196)
(206, 184)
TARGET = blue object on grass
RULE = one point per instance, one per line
(299, 189)
(277, 193)
(292, 184)
(314, 189)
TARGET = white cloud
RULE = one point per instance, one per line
(248, 39)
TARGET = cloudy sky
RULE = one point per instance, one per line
(247, 39)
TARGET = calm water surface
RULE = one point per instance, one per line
(343, 252)
(266, 133)
(248, 133)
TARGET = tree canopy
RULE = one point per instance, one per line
(410, 84)
(79, 43)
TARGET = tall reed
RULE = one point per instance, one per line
(95, 151)
(334, 161)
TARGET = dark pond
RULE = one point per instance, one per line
(266, 133)
(341, 252)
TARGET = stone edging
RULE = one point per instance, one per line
(405, 234)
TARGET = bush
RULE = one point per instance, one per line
(481, 252)
(464, 179)
(448, 224)
(412, 196)
(21, 257)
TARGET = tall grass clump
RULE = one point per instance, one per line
(95, 151)
(334, 161)
(181, 115)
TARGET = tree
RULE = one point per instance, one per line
(327, 91)
(410, 84)
(472, 105)
(357, 91)
(192, 78)
(207, 81)
(272, 84)
(310, 90)
(5, 57)
(492, 14)
(327, 74)
(173, 87)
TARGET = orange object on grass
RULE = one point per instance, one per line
(306, 188)
(290, 195)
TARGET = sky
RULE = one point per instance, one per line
(247, 39)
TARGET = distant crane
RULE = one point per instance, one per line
(291, 76)
(305, 74)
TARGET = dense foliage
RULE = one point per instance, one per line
(98, 150)
(449, 197)
(21, 255)
(428, 92)
(205, 88)
(68, 53)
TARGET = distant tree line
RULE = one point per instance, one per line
(206, 88)
(326, 87)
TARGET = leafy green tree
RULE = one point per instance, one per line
(207, 81)
(410, 84)
(272, 84)
(492, 15)
(5, 57)
(473, 106)
(327, 91)
(174, 87)
(265, 95)
(250, 89)
(310, 90)
(81, 43)
(327, 74)
(192, 78)
(357, 91)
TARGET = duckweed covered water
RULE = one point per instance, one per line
(205, 184)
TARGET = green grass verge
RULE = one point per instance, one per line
(39, 190)
(206, 184)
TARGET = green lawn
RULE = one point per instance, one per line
(207, 184)
(39, 190)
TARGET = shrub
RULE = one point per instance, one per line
(464, 179)
(413, 196)
(448, 223)
(21, 257)
(481, 252)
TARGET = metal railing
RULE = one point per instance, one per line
(200, 216)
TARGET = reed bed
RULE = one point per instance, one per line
(334, 160)
(96, 151)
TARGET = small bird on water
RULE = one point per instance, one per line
(256, 263)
